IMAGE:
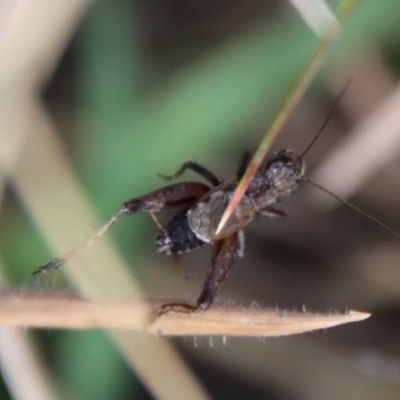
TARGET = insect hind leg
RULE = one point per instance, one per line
(195, 167)
(59, 261)
(172, 197)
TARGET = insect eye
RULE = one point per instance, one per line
(276, 165)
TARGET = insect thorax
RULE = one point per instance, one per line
(277, 179)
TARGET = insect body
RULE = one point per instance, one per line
(199, 208)
(198, 211)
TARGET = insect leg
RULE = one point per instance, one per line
(240, 250)
(225, 252)
(272, 212)
(199, 169)
(179, 264)
(172, 197)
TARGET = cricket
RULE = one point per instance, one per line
(198, 209)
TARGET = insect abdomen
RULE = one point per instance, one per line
(177, 236)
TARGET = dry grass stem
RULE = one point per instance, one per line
(105, 274)
(316, 14)
(30, 49)
(60, 310)
(22, 368)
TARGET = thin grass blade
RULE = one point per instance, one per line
(344, 10)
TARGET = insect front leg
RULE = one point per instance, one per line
(172, 197)
(199, 169)
(225, 252)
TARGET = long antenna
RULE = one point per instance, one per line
(347, 203)
(328, 117)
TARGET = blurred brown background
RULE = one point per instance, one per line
(111, 93)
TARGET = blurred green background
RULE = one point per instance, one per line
(145, 86)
